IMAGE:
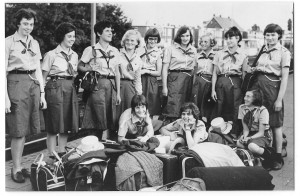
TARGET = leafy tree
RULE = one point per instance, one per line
(50, 15)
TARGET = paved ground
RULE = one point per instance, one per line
(283, 179)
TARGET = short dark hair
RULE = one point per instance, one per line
(233, 31)
(193, 107)
(63, 29)
(100, 26)
(152, 33)
(274, 28)
(138, 100)
(181, 31)
(24, 13)
(257, 97)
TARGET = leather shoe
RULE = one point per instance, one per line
(18, 177)
(26, 173)
(277, 165)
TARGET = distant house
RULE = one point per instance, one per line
(219, 25)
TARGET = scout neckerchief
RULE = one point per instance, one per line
(249, 116)
(210, 56)
(268, 52)
(27, 49)
(107, 56)
(147, 54)
(186, 52)
(129, 66)
(231, 56)
(70, 66)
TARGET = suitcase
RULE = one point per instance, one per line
(187, 163)
(171, 167)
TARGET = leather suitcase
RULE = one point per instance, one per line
(171, 168)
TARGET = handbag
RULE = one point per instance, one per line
(89, 81)
(45, 177)
(247, 157)
(184, 184)
(250, 78)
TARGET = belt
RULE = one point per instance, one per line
(127, 79)
(267, 74)
(205, 75)
(228, 75)
(105, 77)
(180, 70)
(61, 77)
(16, 71)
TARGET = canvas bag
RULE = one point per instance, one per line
(47, 177)
(184, 184)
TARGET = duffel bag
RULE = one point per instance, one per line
(184, 184)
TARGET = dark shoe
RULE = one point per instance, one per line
(283, 152)
(26, 173)
(18, 177)
(277, 164)
(284, 142)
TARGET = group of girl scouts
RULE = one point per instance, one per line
(210, 81)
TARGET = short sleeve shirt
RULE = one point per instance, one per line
(180, 59)
(15, 59)
(136, 63)
(260, 115)
(55, 63)
(200, 133)
(227, 65)
(104, 66)
(150, 58)
(127, 123)
(205, 62)
(274, 61)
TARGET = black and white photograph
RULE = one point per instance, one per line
(149, 96)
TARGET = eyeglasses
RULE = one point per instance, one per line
(153, 39)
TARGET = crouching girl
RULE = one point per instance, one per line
(255, 121)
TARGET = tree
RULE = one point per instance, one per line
(50, 15)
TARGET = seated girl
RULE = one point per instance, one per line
(135, 122)
(189, 127)
(255, 121)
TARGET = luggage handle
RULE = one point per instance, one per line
(57, 157)
(39, 162)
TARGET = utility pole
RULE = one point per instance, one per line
(93, 22)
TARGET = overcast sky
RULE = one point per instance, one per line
(193, 13)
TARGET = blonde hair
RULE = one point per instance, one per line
(133, 32)
(212, 39)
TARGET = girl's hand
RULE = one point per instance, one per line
(277, 106)
(43, 101)
(173, 135)
(165, 91)
(7, 105)
(118, 102)
(214, 96)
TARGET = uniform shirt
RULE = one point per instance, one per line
(99, 63)
(177, 59)
(14, 59)
(200, 133)
(205, 62)
(260, 115)
(150, 60)
(226, 64)
(55, 63)
(127, 123)
(137, 64)
(275, 60)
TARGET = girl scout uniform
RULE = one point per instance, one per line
(61, 115)
(201, 92)
(269, 69)
(128, 87)
(149, 82)
(21, 61)
(100, 110)
(181, 63)
(228, 86)
(256, 116)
